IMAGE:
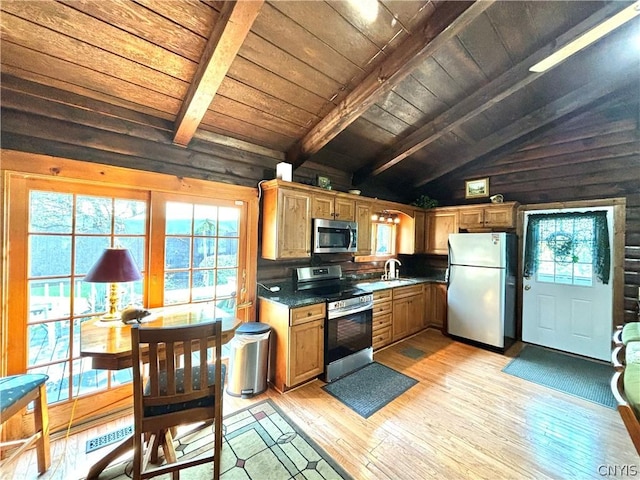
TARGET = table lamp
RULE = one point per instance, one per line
(115, 265)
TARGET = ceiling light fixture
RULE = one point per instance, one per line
(385, 217)
(588, 38)
(368, 9)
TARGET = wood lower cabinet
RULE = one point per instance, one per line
(408, 311)
(306, 352)
(382, 318)
(298, 342)
(439, 306)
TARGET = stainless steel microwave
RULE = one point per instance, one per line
(334, 236)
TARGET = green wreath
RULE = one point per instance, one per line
(562, 245)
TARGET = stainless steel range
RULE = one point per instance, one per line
(349, 321)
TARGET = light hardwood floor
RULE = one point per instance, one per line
(464, 419)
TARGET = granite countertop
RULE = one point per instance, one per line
(293, 299)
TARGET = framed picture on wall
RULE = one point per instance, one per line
(476, 188)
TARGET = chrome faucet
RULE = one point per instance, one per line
(390, 271)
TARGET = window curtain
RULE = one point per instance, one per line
(600, 246)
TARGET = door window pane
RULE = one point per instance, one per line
(179, 218)
(176, 287)
(205, 218)
(94, 214)
(177, 252)
(130, 217)
(88, 250)
(49, 255)
(50, 212)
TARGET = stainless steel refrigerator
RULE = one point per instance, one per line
(481, 294)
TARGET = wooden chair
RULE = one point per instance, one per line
(175, 392)
(16, 392)
(629, 417)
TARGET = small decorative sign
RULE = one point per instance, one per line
(323, 182)
(476, 188)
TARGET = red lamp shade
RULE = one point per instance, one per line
(114, 266)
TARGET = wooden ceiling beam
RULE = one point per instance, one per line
(488, 96)
(569, 103)
(225, 41)
(448, 20)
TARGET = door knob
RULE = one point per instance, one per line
(527, 287)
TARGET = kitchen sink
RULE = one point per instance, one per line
(378, 284)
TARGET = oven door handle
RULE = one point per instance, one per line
(343, 313)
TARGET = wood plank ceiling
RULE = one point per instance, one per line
(404, 92)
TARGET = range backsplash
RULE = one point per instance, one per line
(270, 271)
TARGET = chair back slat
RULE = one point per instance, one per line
(154, 358)
(203, 364)
(171, 369)
(188, 365)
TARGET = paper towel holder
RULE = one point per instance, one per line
(284, 171)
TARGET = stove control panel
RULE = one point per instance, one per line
(350, 305)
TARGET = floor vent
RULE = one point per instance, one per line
(109, 438)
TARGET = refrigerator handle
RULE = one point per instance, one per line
(448, 270)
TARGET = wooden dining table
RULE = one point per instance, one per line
(108, 344)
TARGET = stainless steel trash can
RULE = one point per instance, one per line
(248, 360)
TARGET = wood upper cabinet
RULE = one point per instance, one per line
(492, 216)
(322, 206)
(439, 223)
(345, 209)
(286, 224)
(419, 219)
(299, 342)
(333, 207)
(363, 218)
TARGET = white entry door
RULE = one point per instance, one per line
(565, 305)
